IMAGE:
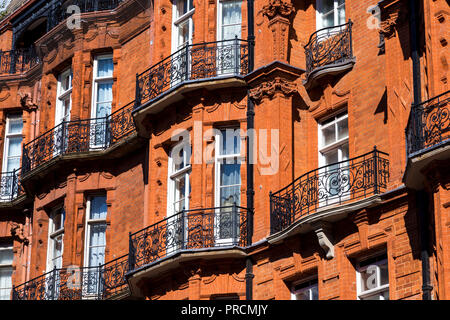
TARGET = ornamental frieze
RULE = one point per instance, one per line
(270, 88)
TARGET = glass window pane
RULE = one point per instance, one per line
(326, 6)
(231, 142)
(231, 19)
(98, 207)
(13, 164)
(5, 283)
(328, 135)
(230, 196)
(14, 147)
(384, 275)
(97, 243)
(15, 125)
(230, 174)
(6, 256)
(104, 92)
(58, 219)
(342, 129)
(315, 293)
(385, 295)
(330, 158)
(105, 67)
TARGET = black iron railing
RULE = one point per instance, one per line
(340, 182)
(75, 283)
(329, 46)
(113, 277)
(62, 284)
(63, 10)
(10, 186)
(189, 230)
(193, 62)
(77, 137)
(18, 61)
(429, 123)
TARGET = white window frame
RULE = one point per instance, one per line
(52, 233)
(220, 159)
(319, 15)
(88, 227)
(336, 145)
(8, 137)
(89, 222)
(308, 288)
(61, 95)
(96, 81)
(379, 288)
(8, 266)
(172, 175)
(223, 159)
(219, 19)
(178, 21)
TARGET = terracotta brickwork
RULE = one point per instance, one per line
(372, 82)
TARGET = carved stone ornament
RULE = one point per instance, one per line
(323, 231)
(278, 8)
(270, 88)
(18, 233)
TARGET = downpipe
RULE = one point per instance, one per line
(421, 196)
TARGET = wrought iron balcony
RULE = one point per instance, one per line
(192, 63)
(18, 61)
(93, 283)
(78, 136)
(60, 12)
(113, 276)
(329, 47)
(429, 124)
(334, 184)
(189, 230)
(10, 186)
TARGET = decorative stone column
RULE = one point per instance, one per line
(279, 13)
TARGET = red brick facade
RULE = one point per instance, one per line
(395, 204)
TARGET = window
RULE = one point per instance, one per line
(95, 239)
(230, 19)
(95, 231)
(228, 183)
(183, 25)
(333, 151)
(307, 290)
(6, 270)
(12, 152)
(62, 112)
(56, 237)
(13, 143)
(330, 13)
(101, 98)
(179, 188)
(228, 168)
(64, 97)
(373, 279)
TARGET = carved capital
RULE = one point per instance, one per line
(278, 8)
(270, 88)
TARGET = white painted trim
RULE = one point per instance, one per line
(8, 136)
(379, 288)
(87, 227)
(60, 95)
(52, 234)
